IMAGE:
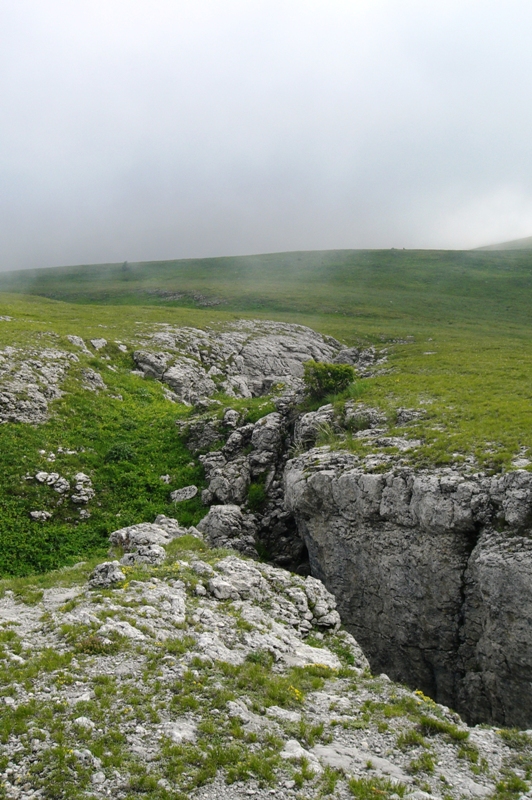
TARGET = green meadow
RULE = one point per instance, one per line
(456, 326)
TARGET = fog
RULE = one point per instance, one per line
(157, 129)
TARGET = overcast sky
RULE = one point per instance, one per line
(154, 129)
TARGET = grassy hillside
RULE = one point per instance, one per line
(475, 287)
(456, 324)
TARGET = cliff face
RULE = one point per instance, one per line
(432, 572)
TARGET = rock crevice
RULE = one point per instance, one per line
(431, 572)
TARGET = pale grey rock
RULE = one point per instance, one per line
(247, 359)
(98, 343)
(267, 438)
(189, 380)
(29, 380)
(366, 361)
(226, 526)
(252, 723)
(179, 730)
(153, 364)
(40, 516)
(77, 341)
(122, 628)
(171, 526)
(84, 722)
(228, 483)
(145, 554)
(294, 751)
(106, 575)
(83, 491)
(431, 571)
(145, 534)
(231, 417)
(92, 380)
(309, 426)
(222, 590)
(186, 493)
(349, 759)
(283, 714)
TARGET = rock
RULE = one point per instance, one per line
(84, 722)
(98, 344)
(309, 426)
(266, 440)
(229, 482)
(222, 590)
(226, 526)
(348, 759)
(283, 714)
(83, 491)
(40, 516)
(77, 341)
(189, 380)
(231, 418)
(436, 558)
(92, 380)
(122, 628)
(106, 575)
(186, 493)
(145, 554)
(143, 534)
(172, 527)
(293, 751)
(247, 359)
(179, 731)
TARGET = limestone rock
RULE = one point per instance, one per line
(106, 575)
(432, 573)
(186, 493)
(145, 534)
(145, 554)
(92, 380)
(226, 526)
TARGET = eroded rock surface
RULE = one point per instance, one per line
(212, 677)
(246, 359)
(432, 572)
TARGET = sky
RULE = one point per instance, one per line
(158, 129)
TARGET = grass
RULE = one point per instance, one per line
(456, 325)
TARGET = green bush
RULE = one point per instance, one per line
(257, 497)
(121, 451)
(322, 378)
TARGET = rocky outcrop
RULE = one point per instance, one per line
(432, 572)
(246, 359)
(211, 676)
(29, 380)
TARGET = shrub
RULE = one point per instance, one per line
(257, 496)
(120, 451)
(322, 378)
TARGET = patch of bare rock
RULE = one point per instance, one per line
(208, 675)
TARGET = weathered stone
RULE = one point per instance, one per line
(106, 575)
(226, 526)
(438, 596)
(145, 554)
(186, 493)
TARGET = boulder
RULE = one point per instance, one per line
(106, 575)
(227, 526)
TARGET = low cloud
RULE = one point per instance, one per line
(146, 130)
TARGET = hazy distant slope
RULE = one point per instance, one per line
(407, 285)
(515, 244)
